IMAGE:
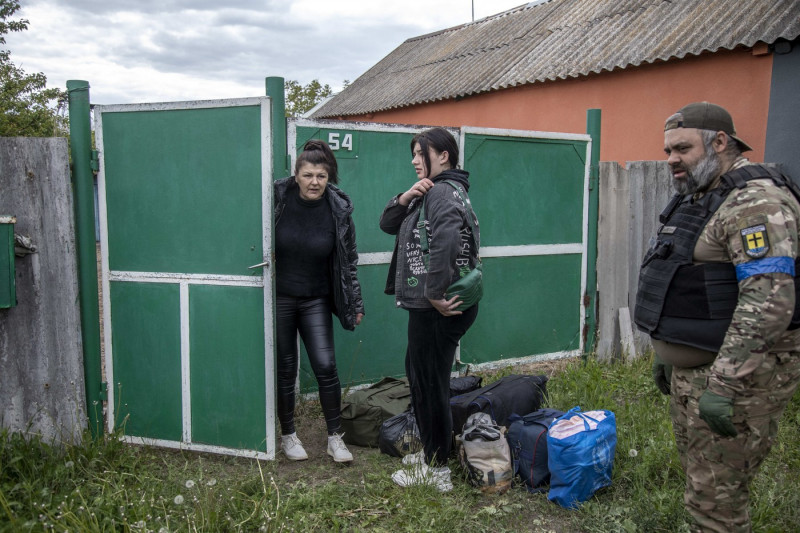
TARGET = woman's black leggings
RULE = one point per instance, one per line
(311, 317)
(432, 342)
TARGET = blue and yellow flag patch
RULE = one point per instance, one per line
(755, 241)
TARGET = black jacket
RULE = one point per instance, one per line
(451, 244)
(346, 290)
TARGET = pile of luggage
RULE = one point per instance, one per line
(504, 435)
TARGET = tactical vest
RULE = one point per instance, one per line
(690, 304)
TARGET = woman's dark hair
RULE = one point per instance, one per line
(440, 140)
(316, 152)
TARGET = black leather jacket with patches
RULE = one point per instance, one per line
(452, 247)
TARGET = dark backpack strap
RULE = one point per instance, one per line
(471, 396)
(739, 177)
(542, 416)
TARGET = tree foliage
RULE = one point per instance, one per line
(302, 98)
(27, 107)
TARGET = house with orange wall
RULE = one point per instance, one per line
(542, 65)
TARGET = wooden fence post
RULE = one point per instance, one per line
(630, 201)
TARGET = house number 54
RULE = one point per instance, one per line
(346, 141)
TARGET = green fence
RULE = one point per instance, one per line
(530, 192)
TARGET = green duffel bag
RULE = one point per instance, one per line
(363, 411)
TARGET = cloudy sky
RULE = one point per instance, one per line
(166, 50)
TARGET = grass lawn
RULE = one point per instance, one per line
(106, 485)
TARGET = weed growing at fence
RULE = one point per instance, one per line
(105, 485)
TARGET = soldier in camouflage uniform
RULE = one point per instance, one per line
(732, 372)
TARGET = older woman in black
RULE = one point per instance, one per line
(315, 276)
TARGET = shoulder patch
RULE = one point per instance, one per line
(755, 241)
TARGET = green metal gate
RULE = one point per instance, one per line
(185, 211)
(531, 193)
(185, 208)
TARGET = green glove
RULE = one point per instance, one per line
(662, 375)
(717, 411)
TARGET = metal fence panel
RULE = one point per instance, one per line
(185, 196)
(531, 195)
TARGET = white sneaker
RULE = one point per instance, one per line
(422, 474)
(414, 458)
(338, 450)
(441, 478)
(293, 448)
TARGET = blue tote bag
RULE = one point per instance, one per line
(580, 450)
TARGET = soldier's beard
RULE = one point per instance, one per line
(700, 176)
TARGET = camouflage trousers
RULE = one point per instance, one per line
(719, 469)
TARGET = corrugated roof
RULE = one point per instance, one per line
(559, 39)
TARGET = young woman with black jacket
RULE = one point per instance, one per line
(435, 322)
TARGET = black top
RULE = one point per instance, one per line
(304, 242)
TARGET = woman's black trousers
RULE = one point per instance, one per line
(311, 317)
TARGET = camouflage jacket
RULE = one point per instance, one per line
(755, 226)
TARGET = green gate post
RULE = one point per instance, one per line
(590, 298)
(280, 157)
(83, 186)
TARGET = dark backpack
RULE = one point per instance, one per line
(527, 440)
(511, 394)
(363, 411)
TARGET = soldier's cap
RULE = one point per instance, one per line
(705, 116)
